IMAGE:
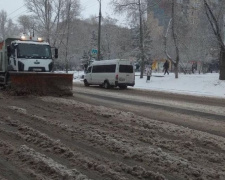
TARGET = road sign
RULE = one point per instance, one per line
(94, 51)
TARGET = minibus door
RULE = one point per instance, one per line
(126, 72)
(89, 75)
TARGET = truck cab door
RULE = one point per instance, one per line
(12, 64)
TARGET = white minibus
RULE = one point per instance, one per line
(110, 73)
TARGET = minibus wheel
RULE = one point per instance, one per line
(106, 85)
(86, 83)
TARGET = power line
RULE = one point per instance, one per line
(20, 14)
(92, 5)
(16, 10)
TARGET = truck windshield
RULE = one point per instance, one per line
(34, 51)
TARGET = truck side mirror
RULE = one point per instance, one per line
(56, 53)
(9, 51)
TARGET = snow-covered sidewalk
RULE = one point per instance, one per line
(196, 84)
(192, 84)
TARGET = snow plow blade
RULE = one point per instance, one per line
(37, 83)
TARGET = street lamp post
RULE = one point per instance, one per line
(99, 30)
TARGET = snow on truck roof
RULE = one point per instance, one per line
(30, 42)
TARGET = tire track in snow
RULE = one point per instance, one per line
(117, 136)
(30, 135)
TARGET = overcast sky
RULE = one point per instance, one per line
(15, 8)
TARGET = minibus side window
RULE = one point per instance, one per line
(89, 70)
(110, 68)
(104, 68)
(100, 69)
(94, 69)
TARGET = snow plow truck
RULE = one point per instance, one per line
(26, 66)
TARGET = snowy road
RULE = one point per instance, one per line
(200, 113)
(97, 135)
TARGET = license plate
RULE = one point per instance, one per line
(121, 79)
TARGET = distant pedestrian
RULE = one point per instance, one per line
(166, 67)
(149, 74)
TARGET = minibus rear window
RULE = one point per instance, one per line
(126, 69)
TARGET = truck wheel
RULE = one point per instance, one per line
(5, 80)
(106, 85)
(86, 83)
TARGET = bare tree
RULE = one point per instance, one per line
(187, 41)
(99, 30)
(11, 28)
(135, 9)
(3, 23)
(27, 23)
(65, 28)
(116, 40)
(68, 24)
(43, 10)
(215, 14)
(174, 35)
(179, 26)
(50, 14)
(55, 18)
(147, 43)
(7, 27)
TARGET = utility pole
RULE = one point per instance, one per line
(33, 29)
(224, 28)
(68, 33)
(99, 30)
(141, 45)
(47, 20)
